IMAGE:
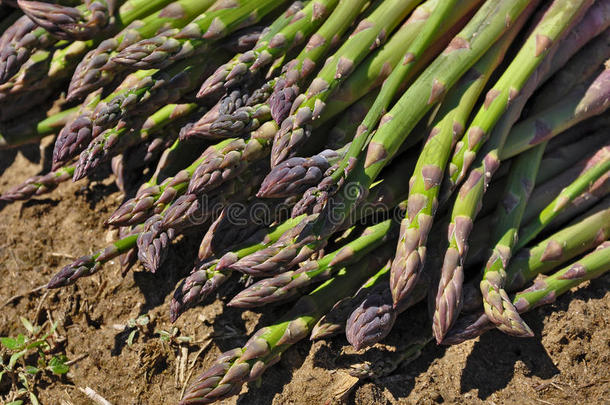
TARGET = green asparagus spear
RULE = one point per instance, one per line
(600, 166)
(509, 213)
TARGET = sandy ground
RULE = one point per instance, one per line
(566, 362)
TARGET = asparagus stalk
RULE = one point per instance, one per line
(210, 274)
(238, 222)
(425, 182)
(95, 69)
(217, 22)
(290, 284)
(38, 185)
(496, 302)
(542, 292)
(600, 166)
(217, 80)
(373, 319)
(220, 122)
(232, 369)
(565, 157)
(295, 175)
(546, 192)
(18, 42)
(76, 135)
(162, 87)
(560, 15)
(333, 322)
(71, 23)
(90, 264)
(299, 243)
(582, 66)
(301, 26)
(307, 107)
(579, 105)
(153, 199)
(584, 234)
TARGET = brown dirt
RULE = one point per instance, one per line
(567, 361)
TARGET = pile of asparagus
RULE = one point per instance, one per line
(354, 156)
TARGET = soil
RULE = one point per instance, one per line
(566, 362)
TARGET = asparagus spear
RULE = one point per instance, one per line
(585, 64)
(584, 234)
(560, 159)
(289, 284)
(71, 23)
(370, 32)
(542, 292)
(333, 322)
(189, 211)
(220, 122)
(579, 105)
(210, 274)
(301, 26)
(17, 44)
(216, 23)
(153, 199)
(599, 167)
(232, 369)
(295, 175)
(424, 184)
(38, 185)
(163, 87)
(554, 23)
(95, 69)
(496, 302)
(90, 264)
(238, 222)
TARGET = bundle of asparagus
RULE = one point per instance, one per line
(283, 133)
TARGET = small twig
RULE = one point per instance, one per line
(16, 297)
(63, 255)
(192, 367)
(76, 359)
(39, 306)
(97, 398)
(183, 359)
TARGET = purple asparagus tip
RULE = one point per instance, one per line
(371, 321)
